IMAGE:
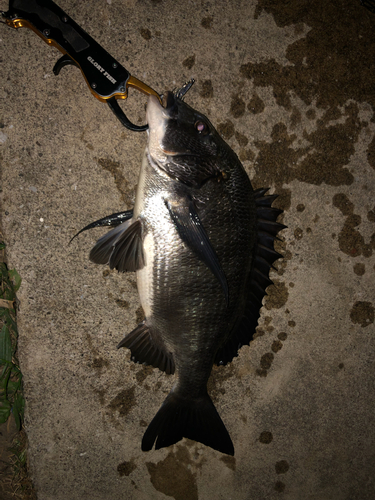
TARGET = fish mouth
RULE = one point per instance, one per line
(157, 116)
(169, 101)
(167, 108)
(159, 112)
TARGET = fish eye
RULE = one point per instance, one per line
(201, 127)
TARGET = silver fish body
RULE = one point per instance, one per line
(201, 242)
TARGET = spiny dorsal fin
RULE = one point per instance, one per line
(264, 257)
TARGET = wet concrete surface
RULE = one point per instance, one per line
(290, 86)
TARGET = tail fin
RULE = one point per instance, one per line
(195, 419)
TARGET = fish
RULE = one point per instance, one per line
(201, 241)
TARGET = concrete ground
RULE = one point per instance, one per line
(290, 85)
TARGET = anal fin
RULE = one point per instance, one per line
(148, 348)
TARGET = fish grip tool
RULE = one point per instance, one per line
(106, 78)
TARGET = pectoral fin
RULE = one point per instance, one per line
(112, 220)
(192, 232)
(121, 248)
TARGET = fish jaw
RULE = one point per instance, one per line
(157, 119)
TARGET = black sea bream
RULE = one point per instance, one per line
(201, 241)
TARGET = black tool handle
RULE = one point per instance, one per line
(105, 76)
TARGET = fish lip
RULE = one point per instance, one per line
(156, 111)
(157, 116)
(169, 101)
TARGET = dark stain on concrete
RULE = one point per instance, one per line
(124, 401)
(282, 336)
(207, 90)
(277, 295)
(132, 281)
(350, 240)
(230, 462)
(259, 332)
(115, 169)
(359, 269)
(266, 360)
(275, 159)
(276, 346)
(311, 114)
(100, 363)
(146, 33)
(139, 315)
(362, 313)
(189, 62)
(143, 373)
(332, 146)
(173, 475)
(237, 106)
(256, 105)
(281, 467)
(279, 486)
(126, 468)
(122, 303)
(219, 374)
(331, 62)
(327, 67)
(226, 129)
(281, 265)
(241, 139)
(298, 233)
(324, 160)
(266, 437)
(300, 207)
(246, 155)
(267, 323)
(207, 22)
(342, 202)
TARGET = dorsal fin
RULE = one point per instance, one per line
(264, 257)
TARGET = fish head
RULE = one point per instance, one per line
(182, 141)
